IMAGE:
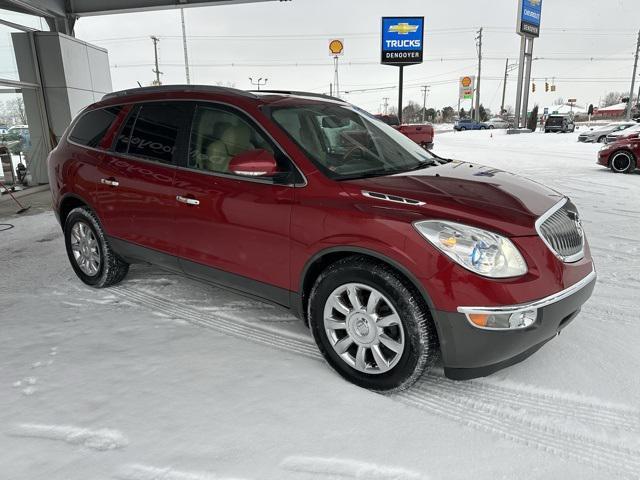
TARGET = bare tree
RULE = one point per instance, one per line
(15, 109)
(612, 98)
(559, 101)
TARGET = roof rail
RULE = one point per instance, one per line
(302, 94)
(183, 88)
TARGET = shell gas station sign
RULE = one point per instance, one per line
(466, 87)
(336, 47)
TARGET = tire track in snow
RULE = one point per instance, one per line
(552, 403)
(518, 413)
(601, 451)
(223, 323)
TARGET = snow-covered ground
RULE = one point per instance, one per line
(163, 378)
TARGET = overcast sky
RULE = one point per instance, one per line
(267, 39)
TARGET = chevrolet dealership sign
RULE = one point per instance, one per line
(402, 40)
(529, 16)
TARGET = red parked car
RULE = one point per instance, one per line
(393, 255)
(622, 155)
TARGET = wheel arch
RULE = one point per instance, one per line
(68, 202)
(322, 259)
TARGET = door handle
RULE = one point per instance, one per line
(110, 181)
(187, 200)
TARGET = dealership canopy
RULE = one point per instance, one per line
(62, 14)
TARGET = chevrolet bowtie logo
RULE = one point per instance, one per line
(403, 28)
(535, 2)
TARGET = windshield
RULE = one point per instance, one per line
(346, 143)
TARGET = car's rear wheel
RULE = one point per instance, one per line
(462, 129)
(370, 325)
(89, 252)
(483, 128)
(491, 127)
(622, 162)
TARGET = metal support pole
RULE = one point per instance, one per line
(527, 81)
(633, 79)
(401, 82)
(184, 46)
(523, 44)
(336, 79)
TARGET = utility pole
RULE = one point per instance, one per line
(259, 83)
(386, 105)
(155, 51)
(425, 91)
(504, 87)
(184, 46)
(479, 45)
(633, 79)
(507, 68)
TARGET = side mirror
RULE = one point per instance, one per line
(254, 163)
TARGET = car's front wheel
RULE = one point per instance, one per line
(89, 252)
(602, 138)
(622, 162)
(491, 127)
(371, 325)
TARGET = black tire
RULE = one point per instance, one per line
(421, 341)
(622, 161)
(462, 129)
(602, 138)
(491, 127)
(546, 131)
(112, 269)
(483, 128)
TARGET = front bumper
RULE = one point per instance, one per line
(469, 351)
(586, 139)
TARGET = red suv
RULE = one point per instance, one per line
(393, 255)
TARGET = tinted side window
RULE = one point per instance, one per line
(218, 135)
(122, 143)
(155, 131)
(93, 125)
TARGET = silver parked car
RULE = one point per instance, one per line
(613, 137)
(497, 122)
(599, 134)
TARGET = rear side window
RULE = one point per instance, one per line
(152, 131)
(93, 125)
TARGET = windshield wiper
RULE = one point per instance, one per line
(384, 173)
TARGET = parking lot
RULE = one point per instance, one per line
(162, 377)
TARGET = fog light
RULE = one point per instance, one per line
(522, 319)
(506, 321)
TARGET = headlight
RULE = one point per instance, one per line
(482, 252)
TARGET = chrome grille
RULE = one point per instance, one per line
(561, 231)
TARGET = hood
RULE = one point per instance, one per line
(464, 192)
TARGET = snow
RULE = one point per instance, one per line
(164, 378)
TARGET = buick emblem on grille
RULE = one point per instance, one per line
(576, 219)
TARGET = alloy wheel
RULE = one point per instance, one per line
(621, 162)
(364, 328)
(86, 251)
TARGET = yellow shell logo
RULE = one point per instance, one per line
(336, 47)
(466, 82)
